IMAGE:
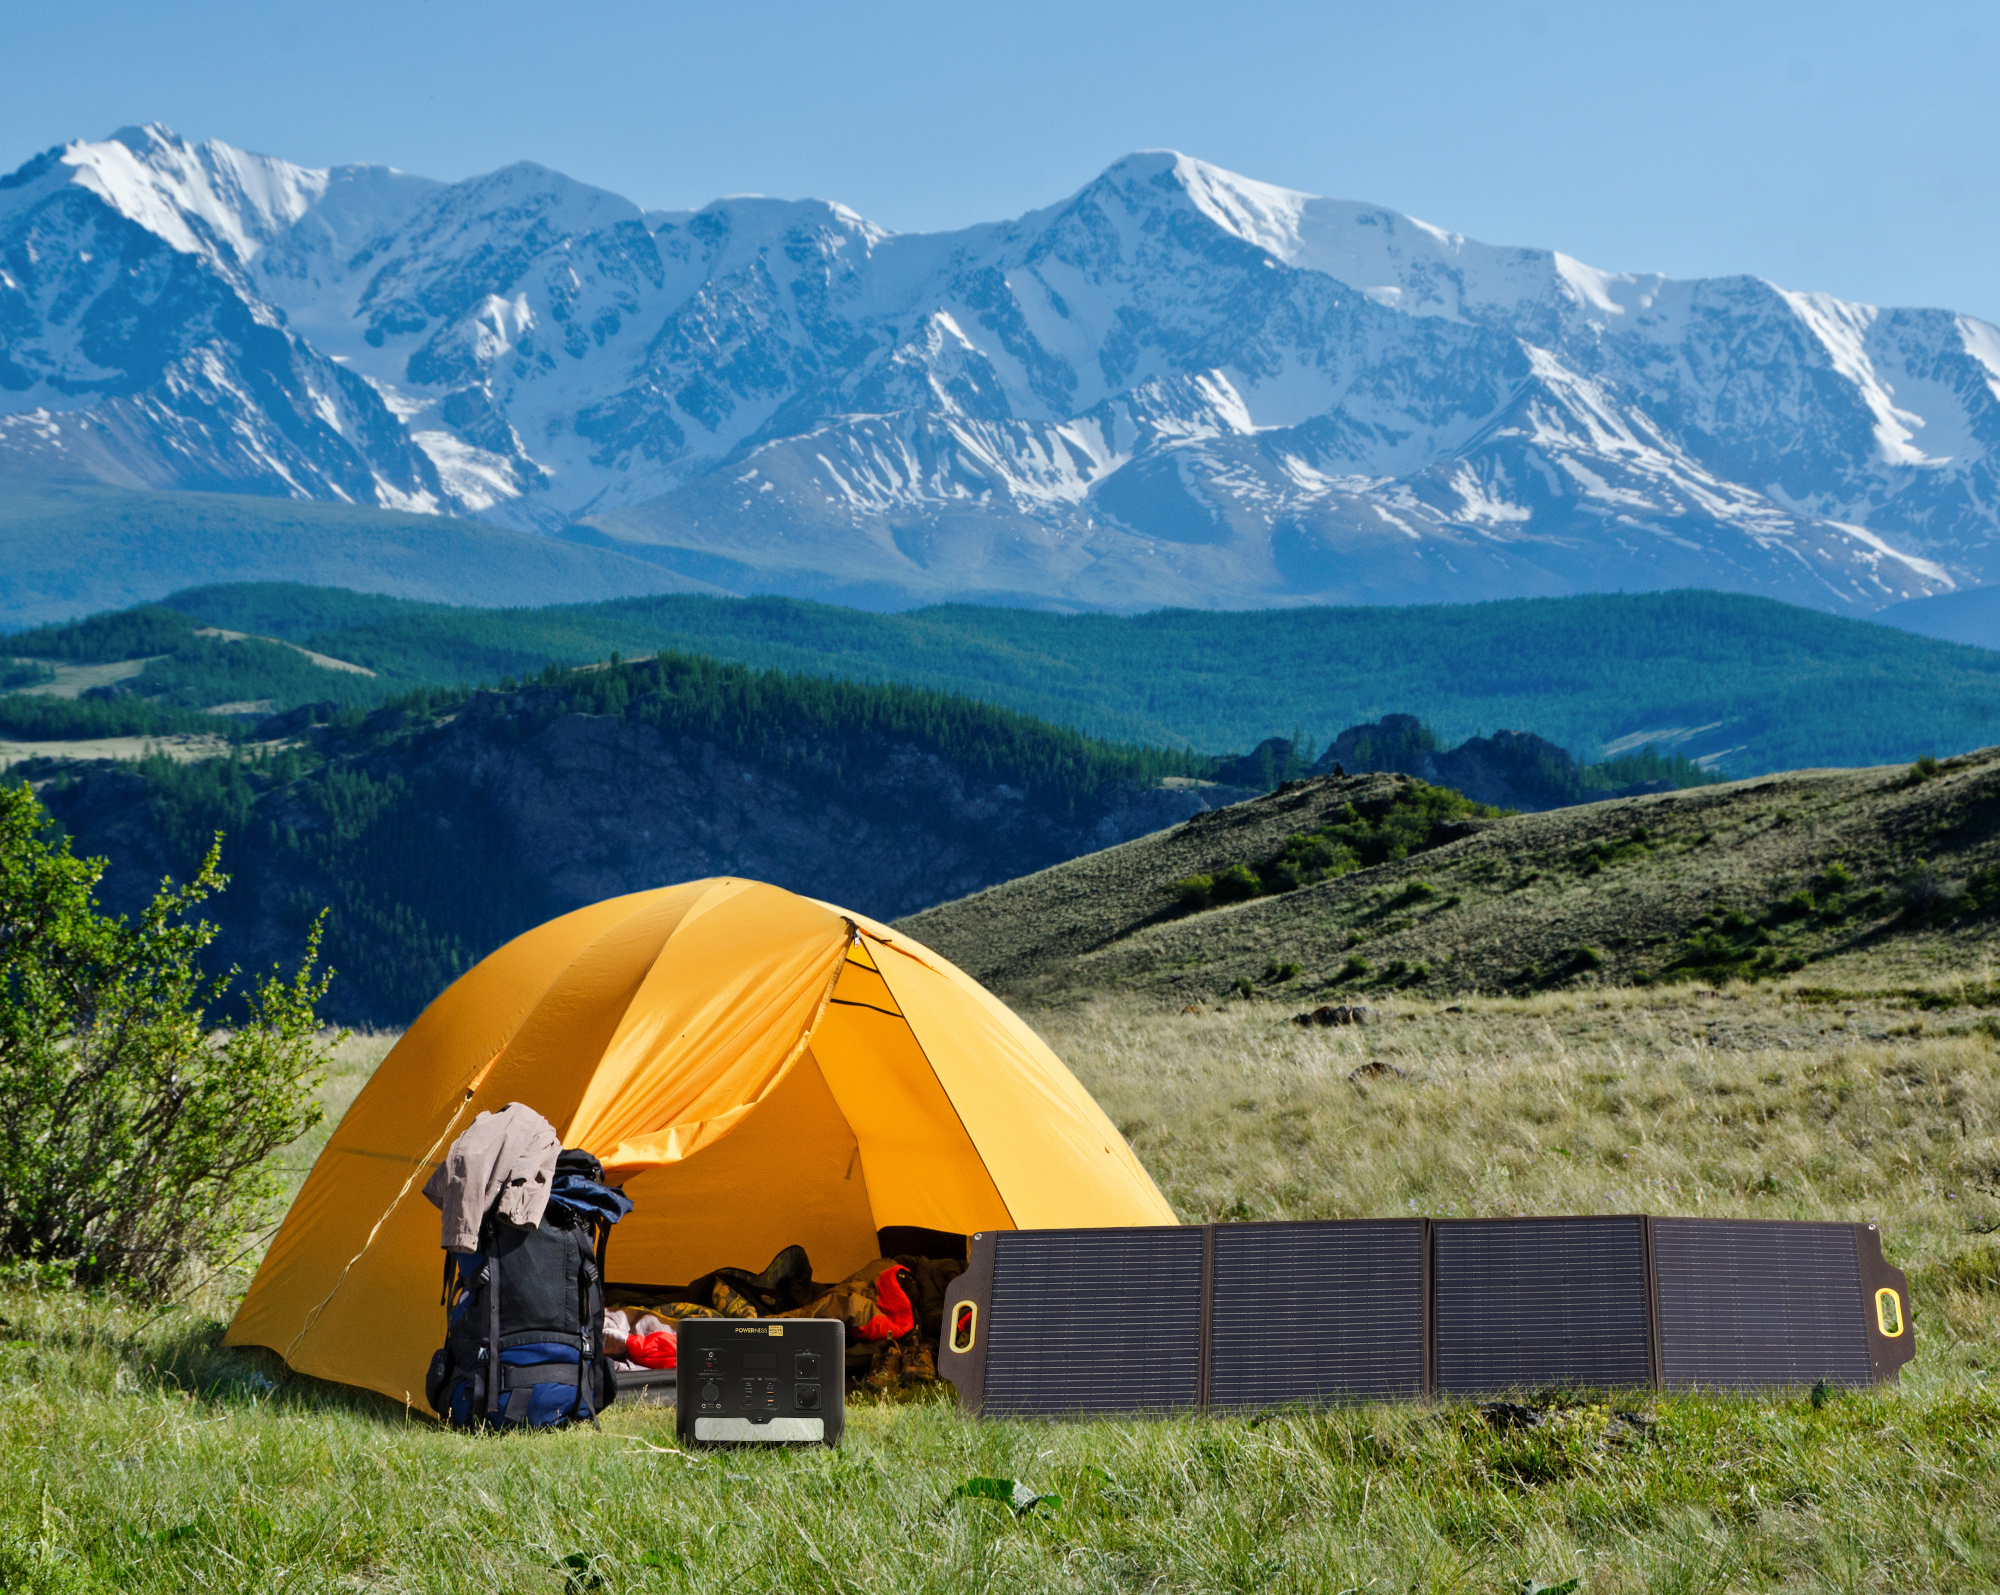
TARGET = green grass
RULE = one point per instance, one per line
(163, 1464)
(143, 1456)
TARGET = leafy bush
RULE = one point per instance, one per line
(1194, 893)
(1602, 855)
(134, 1133)
(1350, 842)
(1237, 884)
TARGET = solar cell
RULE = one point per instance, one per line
(1530, 1303)
(1317, 1312)
(1746, 1305)
(1094, 1321)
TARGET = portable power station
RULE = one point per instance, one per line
(761, 1381)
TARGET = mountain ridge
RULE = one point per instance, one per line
(1176, 386)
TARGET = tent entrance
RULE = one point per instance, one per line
(856, 1141)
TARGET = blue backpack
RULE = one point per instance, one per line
(524, 1315)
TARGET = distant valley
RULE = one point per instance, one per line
(438, 828)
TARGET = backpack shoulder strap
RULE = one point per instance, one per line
(492, 1336)
(591, 1304)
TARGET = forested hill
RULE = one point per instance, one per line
(1745, 684)
(440, 825)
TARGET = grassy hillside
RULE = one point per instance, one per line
(1745, 684)
(1898, 868)
(69, 549)
(143, 1456)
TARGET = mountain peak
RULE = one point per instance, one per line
(202, 199)
(1179, 385)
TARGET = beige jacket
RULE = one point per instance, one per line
(509, 1156)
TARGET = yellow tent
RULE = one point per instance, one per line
(756, 1068)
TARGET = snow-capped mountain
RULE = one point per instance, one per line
(1178, 386)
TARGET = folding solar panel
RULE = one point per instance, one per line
(1528, 1303)
(1745, 1305)
(1317, 1312)
(1236, 1316)
(1077, 1321)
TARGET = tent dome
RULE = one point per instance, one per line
(756, 1068)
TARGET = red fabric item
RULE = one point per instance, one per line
(895, 1317)
(657, 1350)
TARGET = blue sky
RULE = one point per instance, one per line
(1843, 146)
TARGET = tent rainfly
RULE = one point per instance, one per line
(754, 1067)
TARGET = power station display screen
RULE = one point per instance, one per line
(756, 1381)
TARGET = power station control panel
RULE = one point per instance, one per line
(761, 1381)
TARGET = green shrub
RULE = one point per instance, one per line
(1925, 769)
(1600, 856)
(1798, 906)
(1354, 969)
(1349, 842)
(134, 1133)
(1276, 973)
(1236, 884)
